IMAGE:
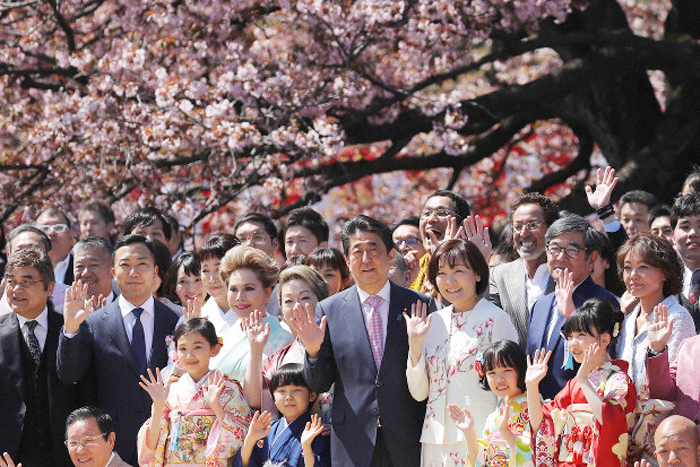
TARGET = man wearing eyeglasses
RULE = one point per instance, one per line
(569, 255)
(34, 402)
(90, 439)
(406, 236)
(56, 225)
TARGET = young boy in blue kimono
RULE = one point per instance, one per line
(293, 439)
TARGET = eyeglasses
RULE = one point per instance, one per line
(23, 282)
(439, 212)
(255, 238)
(410, 241)
(572, 251)
(55, 228)
(87, 442)
(531, 225)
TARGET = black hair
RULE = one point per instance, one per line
(200, 325)
(145, 217)
(461, 204)
(164, 261)
(257, 218)
(45, 240)
(660, 210)
(54, 211)
(640, 197)
(410, 220)
(175, 227)
(455, 251)
(104, 421)
(364, 223)
(305, 217)
(329, 257)
(504, 353)
(685, 206)
(595, 314)
(549, 207)
(216, 245)
(601, 243)
(289, 374)
(133, 239)
(191, 266)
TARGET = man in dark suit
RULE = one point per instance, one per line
(360, 344)
(119, 342)
(685, 220)
(569, 252)
(56, 224)
(34, 403)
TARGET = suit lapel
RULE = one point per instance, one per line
(159, 353)
(115, 323)
(354, 320)
(518, 287)
(395, 328)
(11, 352)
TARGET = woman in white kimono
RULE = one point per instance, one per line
(443, 347)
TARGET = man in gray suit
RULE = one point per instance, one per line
(90, 439)
(517, 285)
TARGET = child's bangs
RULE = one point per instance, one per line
(578, 322)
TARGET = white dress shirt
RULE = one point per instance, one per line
(41, 329)
(383, 307)
(147, 320)
(536, 286)
(59, 271)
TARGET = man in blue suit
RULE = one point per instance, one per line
(360, 344)
(569, 242)
(118, 343)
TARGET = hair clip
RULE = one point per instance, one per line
(221, 340)
(616, 329)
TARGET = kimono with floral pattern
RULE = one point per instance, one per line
(493, 449)
(190, 434)
(571, 436)
(445, 375)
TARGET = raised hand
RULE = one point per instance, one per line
(155, 387)
(604, 185)
(478, 234)
(504, 423)
(642, 463)
(216, 382)
(304, 326)
(193, 309)
(659, 331)
(311, 431)
(628, 302)
(6, 461)
(461, 417)
(537, 367)
(258, 331)
(564, 293)
(259, 426)
(591, 356)
(418, 324)
(452, 230)
(76, 306)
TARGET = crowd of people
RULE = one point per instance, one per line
(571, 341)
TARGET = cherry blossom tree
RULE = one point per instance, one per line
(196, 106)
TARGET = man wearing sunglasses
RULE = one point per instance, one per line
(570, 257)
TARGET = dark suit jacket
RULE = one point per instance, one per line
(692, 308)
(362, 394)
(63, 398)
(69, 278)
(508, 291)
(542, 314)
(102, 350)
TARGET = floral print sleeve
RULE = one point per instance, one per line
(493, 449)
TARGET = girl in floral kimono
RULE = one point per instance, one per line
(200, 419)
(506, 436)
(569, 431)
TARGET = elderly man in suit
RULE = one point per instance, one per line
(118, 343)
(569, 256)
(90, 439)
(359, 342)
(34, 403)
(516, 286)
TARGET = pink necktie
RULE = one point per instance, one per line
(375, 330)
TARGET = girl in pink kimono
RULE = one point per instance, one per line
(200, 419)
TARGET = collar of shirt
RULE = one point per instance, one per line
(687, 285)
(111, 458)
(385, 293)
(125, 306)
(536, 286)
(111, 297)
(42, 319)
(59, 271)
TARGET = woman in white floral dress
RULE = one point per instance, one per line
(443, 347)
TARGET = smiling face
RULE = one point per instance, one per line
(579, 342)
(581, 265)
(503, 381)
(434, 218)
(92, 450)
(211, 279)
(194, 352)
(642, 280)
(686, 238)
(30, 299)
(634, 217)
(246, 293)
(292, 401)
(188, 287)
(528, 241)
(457, 284)
(135, 272)
(92, 266)
(408, 240)
(296, 291)
(369, 261)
